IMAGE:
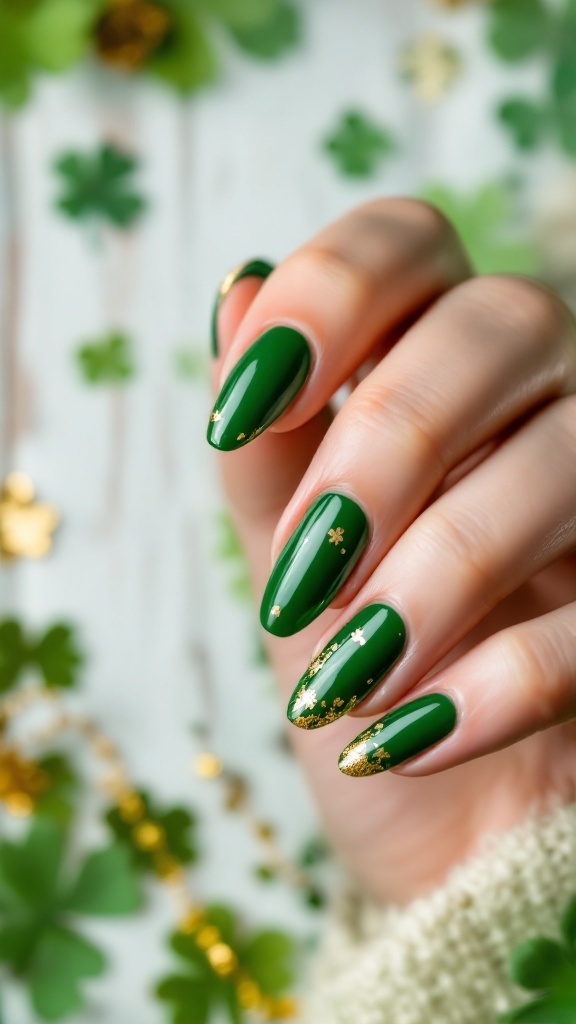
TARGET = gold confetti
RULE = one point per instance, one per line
(241, 437)
(431, 65)
(216, 416)
(26, 525)
(336, 536)
(207, 766)
(358, 637)
(276, 609)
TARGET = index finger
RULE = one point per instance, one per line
(320, 315)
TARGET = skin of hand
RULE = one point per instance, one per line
(458, 439)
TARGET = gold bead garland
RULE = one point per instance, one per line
(21, 781)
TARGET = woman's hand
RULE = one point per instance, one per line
(435, 513)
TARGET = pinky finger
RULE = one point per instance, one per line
(516, 683)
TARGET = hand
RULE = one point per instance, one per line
(446, 551)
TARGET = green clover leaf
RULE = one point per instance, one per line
(55, 654)
(41, 35)
(271, 37)
(267, 957)
(57, 800)
(186, 61)
(177, 826)
(38, 940)
(485, 221)
(518, 28)
(526, 120)
(358, 145)
(547, 967)
(107, 360)
(98, 185)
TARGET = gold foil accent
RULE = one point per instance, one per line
(358, 637)
(275, 611)
(216, 416)
(336, 536)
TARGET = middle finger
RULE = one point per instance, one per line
(459, 377)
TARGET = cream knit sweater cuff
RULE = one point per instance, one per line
(444, 958)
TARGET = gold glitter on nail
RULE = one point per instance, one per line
(305, 699)
(216, 416)
(342, 551)
(255, 433)
(275, 611)
(336, 536)
(358, 637)
(241, 437)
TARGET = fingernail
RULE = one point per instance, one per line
(316, 561)
(264, 382)
(399, 736)
(349, 667)
(252, 268)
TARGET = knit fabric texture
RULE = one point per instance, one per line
(444, 959)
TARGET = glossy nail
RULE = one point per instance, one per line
(349, 667)
(399, 736)
(316, 561)
(252, 268)
(264, 382)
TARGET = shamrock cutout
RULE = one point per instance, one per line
(358, 145)
(272, 36)
(521, 29)
(144, 828)
(108, 361)
(547, 967)
(41, 35)
(55, 654)
(99, 186)
(258, 969)
(38, 907)
(485, 222)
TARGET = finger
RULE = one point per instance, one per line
(509, 518)
(518, 682)
(325, 309)
(460, 376)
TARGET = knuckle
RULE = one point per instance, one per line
(406, 417)
(539, 667)
(525, 307)
(334, 273)
(461, 539)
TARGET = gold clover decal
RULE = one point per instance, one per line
(26, 525)
(336, 536)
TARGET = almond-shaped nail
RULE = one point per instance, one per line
(252, 268)
(314, 564)
(264, 382)
(350, 665)
(399, 736)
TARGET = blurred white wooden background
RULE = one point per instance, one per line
(235, 172)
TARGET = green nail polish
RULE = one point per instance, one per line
(253, 268)
(400, 735)
(348, 668)
(264, 382)
(316, 561)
